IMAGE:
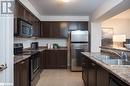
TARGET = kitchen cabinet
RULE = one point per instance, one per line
(19, 10)
(21, 73)
(53, 30)
(114, 81)
(36, 27)
(89, 72)
(63, 29)
(54, 59)
(102, 77)
(72, 26)
(24, 14)
(94, 75)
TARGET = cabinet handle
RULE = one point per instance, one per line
(22, 62)
(93, 64)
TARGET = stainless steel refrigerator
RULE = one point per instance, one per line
(79, 43)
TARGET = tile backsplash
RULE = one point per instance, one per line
(42, 41)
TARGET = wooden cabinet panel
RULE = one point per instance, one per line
(94, 75)
(63, 29)
(19, 10)
(54, 29)
(73, 26)
(102, 77)
(78, 26)
(45, 29)
(21, 73)
(83, 26)
(53, 59)
(61, 58)
(27, 15)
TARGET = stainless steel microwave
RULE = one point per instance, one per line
(26, 29)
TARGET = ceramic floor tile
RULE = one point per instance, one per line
(60, 77)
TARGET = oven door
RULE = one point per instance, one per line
(35, 64)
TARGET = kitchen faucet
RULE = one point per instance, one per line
(123, 55)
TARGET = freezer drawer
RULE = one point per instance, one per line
(76, 56)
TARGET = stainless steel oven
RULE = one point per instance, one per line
(35, 64)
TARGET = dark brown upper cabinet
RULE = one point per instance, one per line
(78, 26)
(60, 29)
(23, 13)
(19, 10)
(54, 29)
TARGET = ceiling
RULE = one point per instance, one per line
(123, 15)
(72, 8)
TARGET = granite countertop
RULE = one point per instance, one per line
(115, 48)
(120, 71)
(21, 57)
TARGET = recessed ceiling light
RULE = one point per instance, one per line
(66, 1)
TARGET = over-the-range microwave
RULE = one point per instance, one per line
(25, 29)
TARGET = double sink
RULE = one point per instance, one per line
(111, 61)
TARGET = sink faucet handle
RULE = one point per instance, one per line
(124, 56)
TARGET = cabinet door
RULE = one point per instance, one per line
(85, 69)
(92, 74)
(54, 30)
(36, 28)
(50, 59)
(73, 26)
(63, 29)
(21, 73)
(85, 74)
(83, 25)
(45, 29)
(102, 77)
(26, 15)
(24, 73)
(17, 74)
(61, 58)
(19, 10)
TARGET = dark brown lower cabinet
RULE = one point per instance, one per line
(94, 75)
(21, 73)
(102, 77)
(54, 59)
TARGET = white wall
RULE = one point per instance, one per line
(42, 41)
(95, 37)
(109, 9)
(6, 47)
(120, 26)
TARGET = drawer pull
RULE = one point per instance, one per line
(93, 64)
(22, 62)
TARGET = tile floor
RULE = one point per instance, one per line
(60, 77)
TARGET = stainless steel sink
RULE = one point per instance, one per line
(102, 57)
(113, 61)
(108, 60)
